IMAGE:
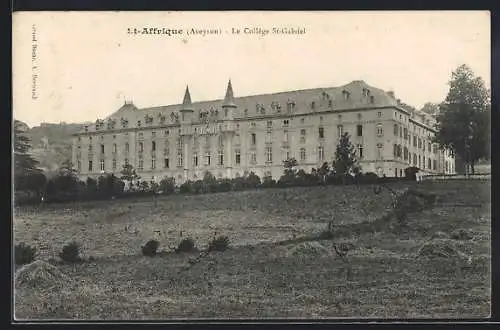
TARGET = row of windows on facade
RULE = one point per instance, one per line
(253, 139)
(400, 152)
(417, 141)
(208, 158)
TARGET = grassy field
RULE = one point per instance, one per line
(273, 269)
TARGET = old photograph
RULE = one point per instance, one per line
(251, 165)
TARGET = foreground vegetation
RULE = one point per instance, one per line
(278, 263)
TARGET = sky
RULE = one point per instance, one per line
(80, 66)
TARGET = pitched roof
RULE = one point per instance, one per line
(186, 103)
(361, 95)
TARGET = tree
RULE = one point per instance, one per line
(129, 175)
(346, 162)
(463, 120)
(24, 163)
(430, 108)
(323, 171)
(167, 185)
(290, 165)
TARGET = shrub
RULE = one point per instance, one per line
(24, 254)
(150, 248)
(220, 243)
(186, 245)
(411, 173)
(461, 234)
(368, 178)
(70, 253)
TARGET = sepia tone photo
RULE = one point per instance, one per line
(251, 165)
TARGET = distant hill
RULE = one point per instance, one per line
(52, 143)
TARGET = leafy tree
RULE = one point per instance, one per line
(24, 163)
(324, 171)
(129, 175)
(290, 167)
(463, 120)
(167, 185)
(346, 162)
(430, 108)
(252, 180)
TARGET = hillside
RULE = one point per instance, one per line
(51, 143)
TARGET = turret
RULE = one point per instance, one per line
(187, 109)
(228, 106)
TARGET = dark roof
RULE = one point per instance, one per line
(361, 95)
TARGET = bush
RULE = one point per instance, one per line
(220, 243)
(368, 178)
(150, 248)
(186, 245)
(70, 253)
(24, 254)
(411, 173)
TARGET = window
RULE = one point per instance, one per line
(380, 147)
(114, 148)
(245, 112)
(180, 158)
(359, 116)
(285, 136)
(429, 147)
(359, 130)
(302, 120)
(400, 172)
(321, 153)
(286, 123)
(153, 162)
(330, 103)
(207, 158)
(423, 162)
(419, 161)
(405, 153)
(269, 125)
(395, 172)
(380, 130)
(153, 146)
(253, 124)
(90, 166)
(321, 132)
(405, 133)
(302, 136)
(166, 162)
(141, 147)
(127, 147)
(195, 159)
(225, 112)
(379, 114)
(302, 154)
(79, 166)
(313, 105)
(414, 140)
(221, 157)
(396, 129)
(153, 134)
(254, 138)
(269, 154)
(360, 151)
(166, 132)
(102, 148)
(419, 143)
(400, 131)
(340, 130)
(429, 163)
(141, 163)
(415, 159)
(221, 140)
(113, 164)
(141, 134)
(434, 149)
(102, 164)
(238, 157)
(434, 164)
(253, 157)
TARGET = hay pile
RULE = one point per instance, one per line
(309, 249)
(40, 275)
(441, 248)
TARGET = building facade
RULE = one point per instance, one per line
(237, 135)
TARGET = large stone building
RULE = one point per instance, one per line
(236, 135)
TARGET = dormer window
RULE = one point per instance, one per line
(359, 116)
(139, 123)
(372, 99)
(325, 96)
(346, 94)
(245, 112)
(290, 106)
(330, 103)
(366, 92)
(86, 128)
(313, 105)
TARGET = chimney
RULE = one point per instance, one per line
(391, 94)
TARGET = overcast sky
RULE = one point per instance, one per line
(87, 64)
